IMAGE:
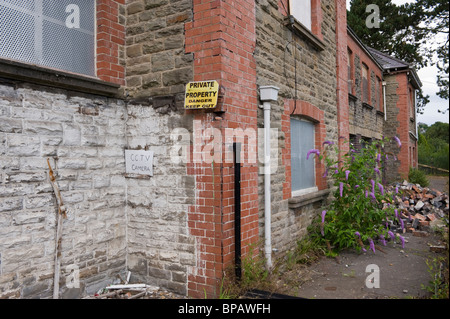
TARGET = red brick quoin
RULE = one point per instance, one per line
(110, 39)
(222, 37)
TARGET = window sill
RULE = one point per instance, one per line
(300, 30)
(50, 77)
(380, 113)
(370, 107)
(352, 97)
(306, 199)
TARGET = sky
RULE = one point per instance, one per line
(428, 78)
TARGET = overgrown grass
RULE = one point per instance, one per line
(417, 176)
(438, 268)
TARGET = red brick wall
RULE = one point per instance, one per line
(403, 127)
(110, 40)
(222, 38)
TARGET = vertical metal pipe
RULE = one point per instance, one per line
(237, 208)
(267, 193)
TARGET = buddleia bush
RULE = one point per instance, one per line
(362, 207)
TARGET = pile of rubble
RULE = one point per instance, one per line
(134, 291)
(422, 209)
(122, 289)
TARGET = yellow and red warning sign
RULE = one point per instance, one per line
(201, 95)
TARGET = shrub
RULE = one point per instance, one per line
(362, 207)
(416, 176)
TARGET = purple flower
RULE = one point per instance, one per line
(399, 143)
(358, 234)
(396, 213)
(326, 173)
(323, 216)
(356, 186)
(323, 222)
(392, 235)
(403, 241)
(367, 193)
(327, 143)
(377, 171)
(346, 174)
(381, 188)
(373, 196)
(341, 188)
(383, 240)
(396, 189)
(378, 157)
(317, 152)
(401, 223)
(372, 245)
(373, 185)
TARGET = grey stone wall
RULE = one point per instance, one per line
(160, 248)
(115, 222)
(83, 136)
(156, 61)
(277, 47)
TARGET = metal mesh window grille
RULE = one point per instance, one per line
(47, 33)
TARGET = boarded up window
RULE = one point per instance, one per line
(365, 84)
(378, 104)
(350, 73)
(302, 140)
(301, 10)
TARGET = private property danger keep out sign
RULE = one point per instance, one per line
(201, 95)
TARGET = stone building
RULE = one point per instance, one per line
(84, 90)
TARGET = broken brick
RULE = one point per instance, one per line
(420, 233)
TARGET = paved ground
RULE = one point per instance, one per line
(439, 182)
(402, 272)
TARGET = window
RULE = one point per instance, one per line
(350, 73)
(365, 84)
(301, 10)
(411, 103)
(378, 95)
(302, 170)
(57, 34)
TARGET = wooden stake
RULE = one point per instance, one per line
(59, 222)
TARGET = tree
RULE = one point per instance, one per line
(408, 32)
(434, 15)
(395, 33)
(433, 145)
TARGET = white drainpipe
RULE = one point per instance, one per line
(267, 94)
